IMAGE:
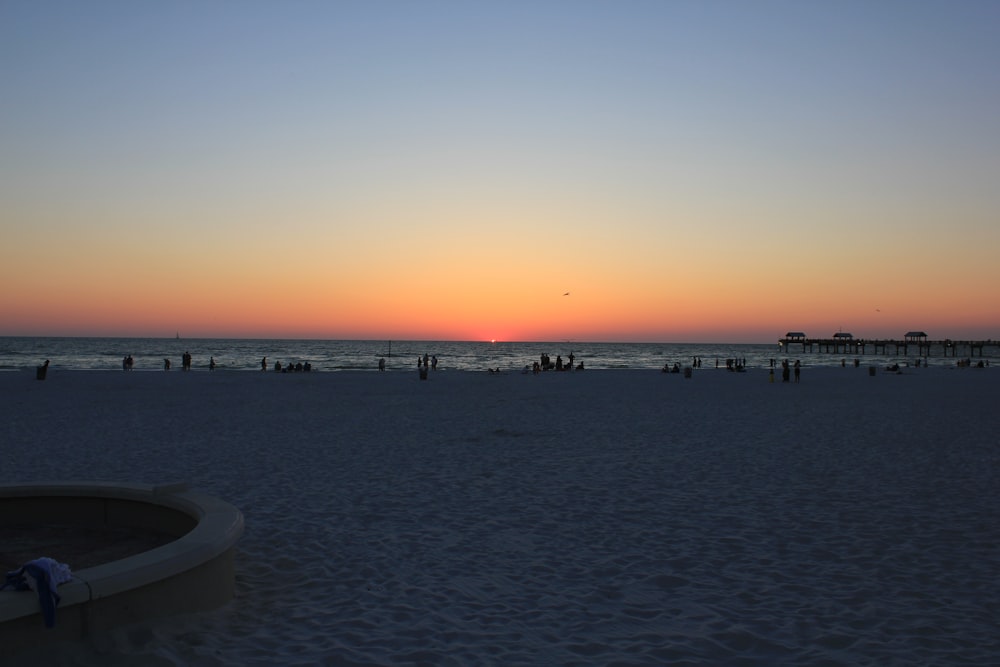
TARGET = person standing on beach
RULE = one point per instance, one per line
(263, 364)
(211, 363)
(798, 367)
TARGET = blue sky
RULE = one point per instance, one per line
(834, 137)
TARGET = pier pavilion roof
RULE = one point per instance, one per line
(795, 335)
(915, 335)
(843, 334)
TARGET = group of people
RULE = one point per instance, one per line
(786, 370)
(298, 367)
(695, 363)
(185, 362)
(735, 365)
(545, 363)
(676, 368)
(425, 363)
(128, 363)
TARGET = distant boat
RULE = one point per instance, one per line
(178, 335)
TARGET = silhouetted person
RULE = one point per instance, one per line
(211, 363)
(166, 364)
(798, 367)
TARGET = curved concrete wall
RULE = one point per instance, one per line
(191, 573)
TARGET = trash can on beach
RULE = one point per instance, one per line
(42, 370)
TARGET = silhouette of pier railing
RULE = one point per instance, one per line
(921, 347)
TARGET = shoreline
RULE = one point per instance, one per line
(337, 356)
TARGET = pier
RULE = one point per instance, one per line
(917, 341)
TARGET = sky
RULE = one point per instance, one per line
(667, 171)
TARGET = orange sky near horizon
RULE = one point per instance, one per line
(506, 295)
(687, 174)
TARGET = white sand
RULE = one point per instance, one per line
(603, 517)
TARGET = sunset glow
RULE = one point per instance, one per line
(686, 171)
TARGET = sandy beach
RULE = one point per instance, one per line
(586, 518)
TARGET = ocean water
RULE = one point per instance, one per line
(239, 354)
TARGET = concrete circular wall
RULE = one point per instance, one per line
(192, 571)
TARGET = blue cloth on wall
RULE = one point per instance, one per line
(41, 575)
